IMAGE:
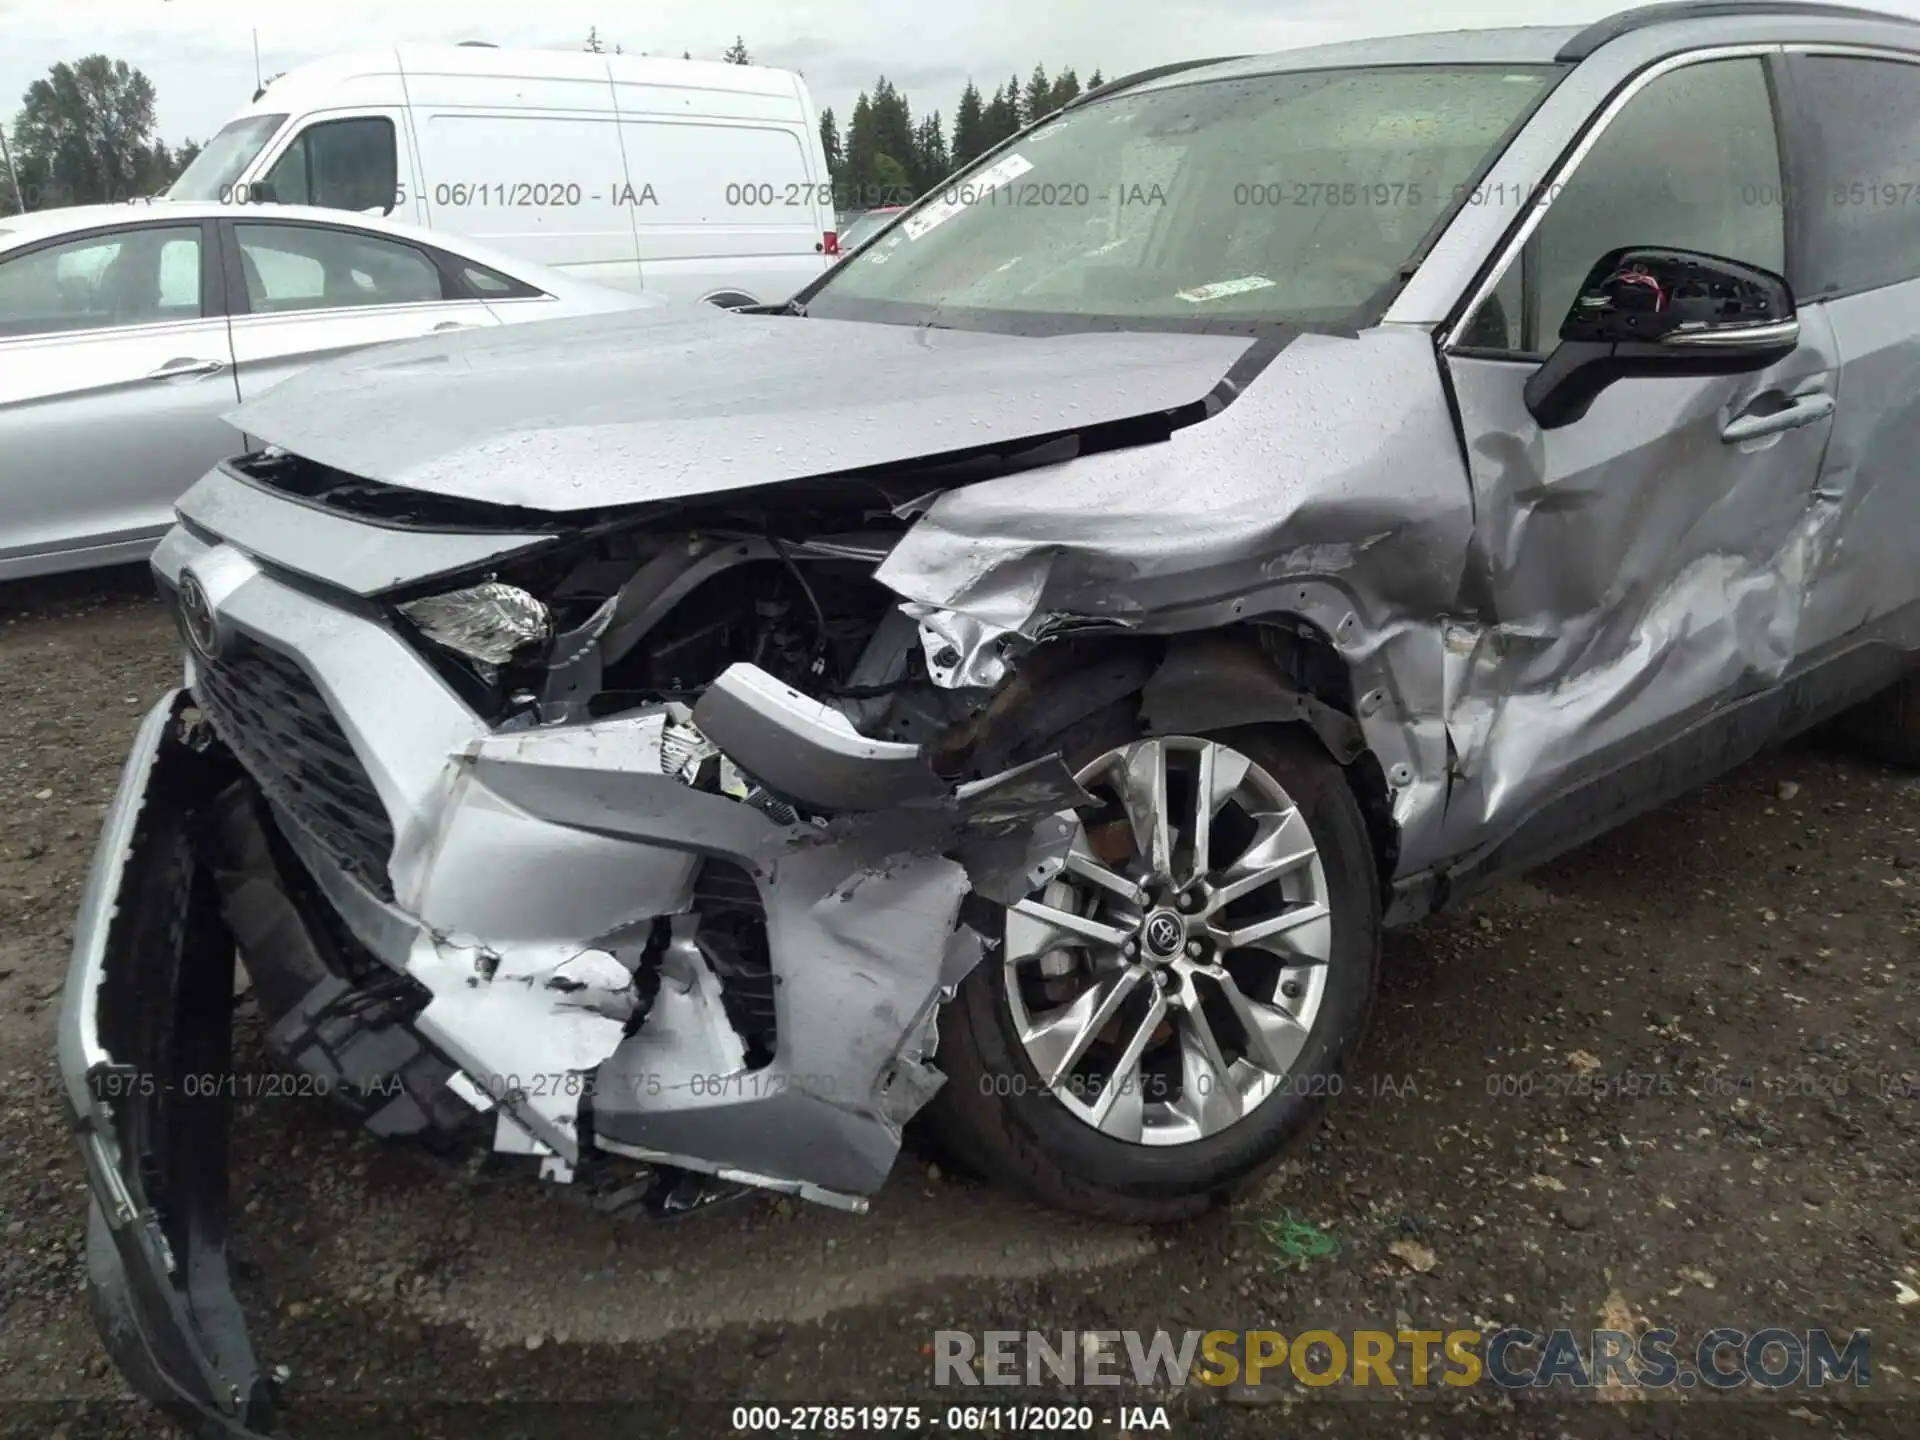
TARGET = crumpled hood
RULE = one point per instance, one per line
(692, 400)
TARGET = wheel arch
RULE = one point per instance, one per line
(1281, 670)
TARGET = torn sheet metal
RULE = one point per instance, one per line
(1331, 490)
(860, 912)
(858, 939)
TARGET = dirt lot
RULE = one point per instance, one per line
(1658, 1082)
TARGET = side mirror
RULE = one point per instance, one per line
(261, 193)
(1662, 312)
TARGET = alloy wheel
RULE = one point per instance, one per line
(1165, 982)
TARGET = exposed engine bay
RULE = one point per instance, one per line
(650, 608)
(745, 653)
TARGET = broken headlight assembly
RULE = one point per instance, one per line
(489, 623)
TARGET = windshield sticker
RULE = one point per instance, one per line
(1200, 294)
(963, 194)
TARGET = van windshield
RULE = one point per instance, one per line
(225, 156)
(1295, 198)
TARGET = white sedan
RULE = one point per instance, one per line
(127, 333)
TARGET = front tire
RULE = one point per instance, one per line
(1146, 1079)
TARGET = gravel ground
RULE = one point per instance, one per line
(1742, 960)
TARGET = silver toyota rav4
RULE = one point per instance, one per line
(1021, 675)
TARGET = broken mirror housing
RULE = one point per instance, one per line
(490, 622)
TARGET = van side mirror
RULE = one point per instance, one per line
(262, 193)
(1649, 312)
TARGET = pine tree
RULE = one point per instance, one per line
(830, 143)
(857, 174)
(893, 138)
(1038, 97)
(1066, 86)
(930, 159)
(969, 127)
(1002, 116)
(737, 53)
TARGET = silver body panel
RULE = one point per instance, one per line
(691, 400)
(101, 430)
(1539, 629)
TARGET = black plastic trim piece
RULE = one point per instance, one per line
(1642, 17)
(1141, 77)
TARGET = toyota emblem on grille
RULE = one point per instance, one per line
(1164, 933)
(196, 616)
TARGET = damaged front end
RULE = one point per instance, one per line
(637, 839)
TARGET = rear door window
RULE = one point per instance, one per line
(313, 267)
(1859, 122)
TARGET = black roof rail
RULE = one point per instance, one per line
(478, 45)
(1140, 77)
(1639, 18)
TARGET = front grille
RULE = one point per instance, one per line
(271, 715)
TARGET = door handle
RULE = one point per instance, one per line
(186, 365)
(452, 325)
(1803, 411)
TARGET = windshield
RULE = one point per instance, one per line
(863, 225)
(215, 168)
(1294, 198)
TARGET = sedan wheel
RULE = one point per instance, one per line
(1171, 1008)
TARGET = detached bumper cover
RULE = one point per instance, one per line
(601, 845)
(148, 1004)
(529, 881)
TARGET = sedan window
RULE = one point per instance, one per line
(137, 277)
(310, 267)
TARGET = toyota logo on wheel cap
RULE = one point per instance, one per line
(196, 616)
(1164, 932)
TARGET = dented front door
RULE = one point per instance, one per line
(1640, 569)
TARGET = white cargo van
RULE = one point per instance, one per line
(693, 179)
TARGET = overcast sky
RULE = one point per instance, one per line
(199, 53)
